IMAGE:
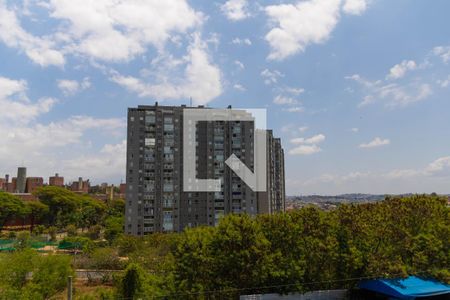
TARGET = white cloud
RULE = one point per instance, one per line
(305, 150)
(110, 162)
(238, 41)
(282, 100)
(297, 26)
(355, 7)
(294, 91)
(120, 30)
(399, 70)
(239, 64)
(307, 146)
(393, 94)
(16, 107)
(444, 83)
(303, 128)
(295, 109)
(316, 139)
(107, 30)
(271, 77)
(377, 142)
(354, 129)
(71, 87)
(439, 167)
(235, 10)
(44, 147)
(443, 52)
(41, 50)
(431, 178)
(402, 174)
(239, 87)
(201, 80)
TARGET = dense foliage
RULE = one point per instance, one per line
(311, 249)
(49, 275)
(302, 250)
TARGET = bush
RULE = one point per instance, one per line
(113, 228)
(14, 267)
(71, 230)
(105, 259)
(94, 232)
(38, 229)
(22, 240)
(51, 273)
(52, 231)
(12, 235)
(77, 243)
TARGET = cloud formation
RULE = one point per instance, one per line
(376, 142)
(307, 146)
(399, 70)
(71, 87)
(201, 79)
(235, 10)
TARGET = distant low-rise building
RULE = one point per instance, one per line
(33, 183)
(56, 180)
(123, 189)
(12, 186)
(2, 184)
(80, 186)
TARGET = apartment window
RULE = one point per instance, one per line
(150, 119)
(150, 142)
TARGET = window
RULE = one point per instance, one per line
(150, 142)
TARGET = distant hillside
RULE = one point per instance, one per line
(344, 198)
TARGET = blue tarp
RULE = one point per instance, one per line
(406, 288)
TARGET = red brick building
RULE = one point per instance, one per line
(123, 188)
(80, 186)
(13, 186)
(33, 183)
(56, 180)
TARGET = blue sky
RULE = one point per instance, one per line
(358, 90)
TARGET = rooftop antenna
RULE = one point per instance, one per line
(190, 101)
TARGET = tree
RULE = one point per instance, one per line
(132, 283)
(14, 268)
(22, 240)
(61, 203)
(116, 208)
(67, 207)
(37, 211)
(10, 207)
(51, 273)
(113, 228)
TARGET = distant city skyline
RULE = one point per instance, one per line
(358, 90)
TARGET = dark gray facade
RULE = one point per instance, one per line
(155, 198)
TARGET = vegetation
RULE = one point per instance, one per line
(301, 250)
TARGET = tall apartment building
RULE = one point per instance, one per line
(155, 200)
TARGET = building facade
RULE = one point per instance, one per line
(33, 183)
(56, 180)
(80, 186)
(155, 200)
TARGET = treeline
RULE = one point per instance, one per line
(57, 209)
(311, 249)
(302, 250)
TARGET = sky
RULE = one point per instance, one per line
(358, 90)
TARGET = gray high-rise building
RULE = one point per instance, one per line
(155, 200)
(21, 180)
